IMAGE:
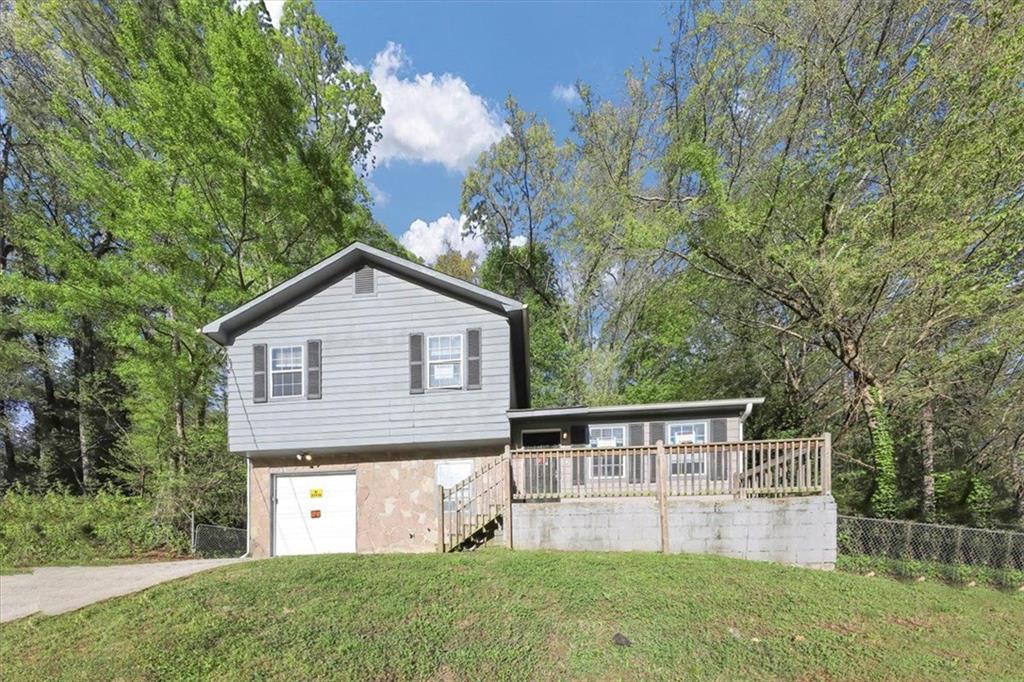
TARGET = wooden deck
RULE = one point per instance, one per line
(765, 468)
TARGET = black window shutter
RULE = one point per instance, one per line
(719, 430)
(313, 373)
(415, 363)
(719, 434)
(636, 462)
(657, 430)
(578, 436)
(473, 370)
(259, 373)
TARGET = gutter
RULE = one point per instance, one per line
(743, 417)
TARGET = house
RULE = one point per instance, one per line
(385, 407)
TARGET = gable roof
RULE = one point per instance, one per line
(337, 266)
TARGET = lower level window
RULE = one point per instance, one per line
(688, 432)
(285, 371)
(607, 466)
(689, 463)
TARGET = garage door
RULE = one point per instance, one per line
(314, 514)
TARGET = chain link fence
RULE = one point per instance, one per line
(209, 540)
(952, 552)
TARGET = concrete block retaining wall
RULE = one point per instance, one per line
(794, 530)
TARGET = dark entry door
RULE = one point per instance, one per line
(540, 474)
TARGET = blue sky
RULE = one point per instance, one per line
(476, 53)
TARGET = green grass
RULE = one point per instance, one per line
(12, 570)
(526, 615)
(955, 574)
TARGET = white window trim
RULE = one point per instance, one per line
(590, 462)
(462, 362)
(704, 461)
(271, 371)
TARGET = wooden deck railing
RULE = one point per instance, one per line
(765, 468)
(471, 505)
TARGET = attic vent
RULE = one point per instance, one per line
(364, 281)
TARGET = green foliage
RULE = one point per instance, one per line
(60, 527)
(911, 569)
(979, 500)
(815, 203)
(884, 498)
(546, 616)
(167, 162)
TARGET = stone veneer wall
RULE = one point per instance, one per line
(795, 530)
(396, 501)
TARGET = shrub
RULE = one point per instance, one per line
(59, 527)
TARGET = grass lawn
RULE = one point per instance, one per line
(526, 615)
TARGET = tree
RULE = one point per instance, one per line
(854, 166)
(514, 190)
(457, 264)
(165, 162)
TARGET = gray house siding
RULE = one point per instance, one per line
(365, 373)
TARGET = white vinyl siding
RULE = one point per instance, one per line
(365, 373)
(286, 371)
(444, 361)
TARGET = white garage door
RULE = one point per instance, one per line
(314, 514)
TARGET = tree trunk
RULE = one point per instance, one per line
(928, 462)
(7, 456)
(179, 402)
(84, 349)
(45, 421)
(1017, 470)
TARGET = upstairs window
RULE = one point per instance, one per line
(286, 371)
(444, 361)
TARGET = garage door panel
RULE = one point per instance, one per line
(315, 514)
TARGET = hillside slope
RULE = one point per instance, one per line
(526, 615)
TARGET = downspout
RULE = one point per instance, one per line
(743, 417)
(248, 505)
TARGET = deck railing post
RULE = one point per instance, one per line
(663, 495)
(826, 464)
(440, 518)
(507, 514)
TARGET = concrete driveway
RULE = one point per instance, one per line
(58, 589)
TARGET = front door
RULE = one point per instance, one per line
(540, 474)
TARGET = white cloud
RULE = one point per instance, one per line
(428, 118)
(430, 240)
(275, 8)
(565, 93)
(379, 196)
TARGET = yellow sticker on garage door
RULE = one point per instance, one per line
(316, 492)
